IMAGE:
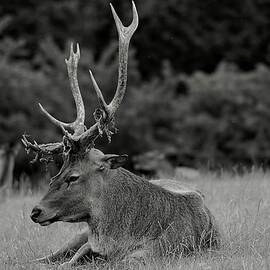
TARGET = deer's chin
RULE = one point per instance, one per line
(47, 222)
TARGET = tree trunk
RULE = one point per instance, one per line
(7, 161)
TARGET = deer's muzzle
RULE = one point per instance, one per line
(35, 214)
(39, 215)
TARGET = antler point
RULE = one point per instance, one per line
(41, 108)
(78, 49)
(23, 142)
(115, 16)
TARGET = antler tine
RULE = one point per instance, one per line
(101, 100)
(44, 151)
(72, 64)
(125, 34)
(78, 125)
(53, 120)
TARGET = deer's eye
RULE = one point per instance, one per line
(72, 178)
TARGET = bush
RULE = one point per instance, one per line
(229, 116)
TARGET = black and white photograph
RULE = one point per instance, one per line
(135, 135)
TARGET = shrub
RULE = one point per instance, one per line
(222, 120)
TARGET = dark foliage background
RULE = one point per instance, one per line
(198, 84)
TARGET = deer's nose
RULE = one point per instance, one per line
(35, 213)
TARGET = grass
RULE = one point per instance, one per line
(241, 205)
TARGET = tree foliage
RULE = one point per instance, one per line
(221, 120)
(192, 35)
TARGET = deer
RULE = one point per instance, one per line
(156, 164)
(127, 216)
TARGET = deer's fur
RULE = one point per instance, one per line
(138, 213)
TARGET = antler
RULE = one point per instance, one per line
(104, 116)
(109, 110)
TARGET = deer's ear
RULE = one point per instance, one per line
(114, 161)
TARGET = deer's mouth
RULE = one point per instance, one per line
(48, 221)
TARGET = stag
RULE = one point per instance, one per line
(127, 215)
(156, 164)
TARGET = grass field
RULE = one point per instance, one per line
(241, 205)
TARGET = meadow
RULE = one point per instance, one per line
(241, 205)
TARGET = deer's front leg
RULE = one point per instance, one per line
(83, 250)
(68, 249)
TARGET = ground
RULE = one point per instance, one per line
(241, 205)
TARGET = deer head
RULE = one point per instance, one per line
(81, 177)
